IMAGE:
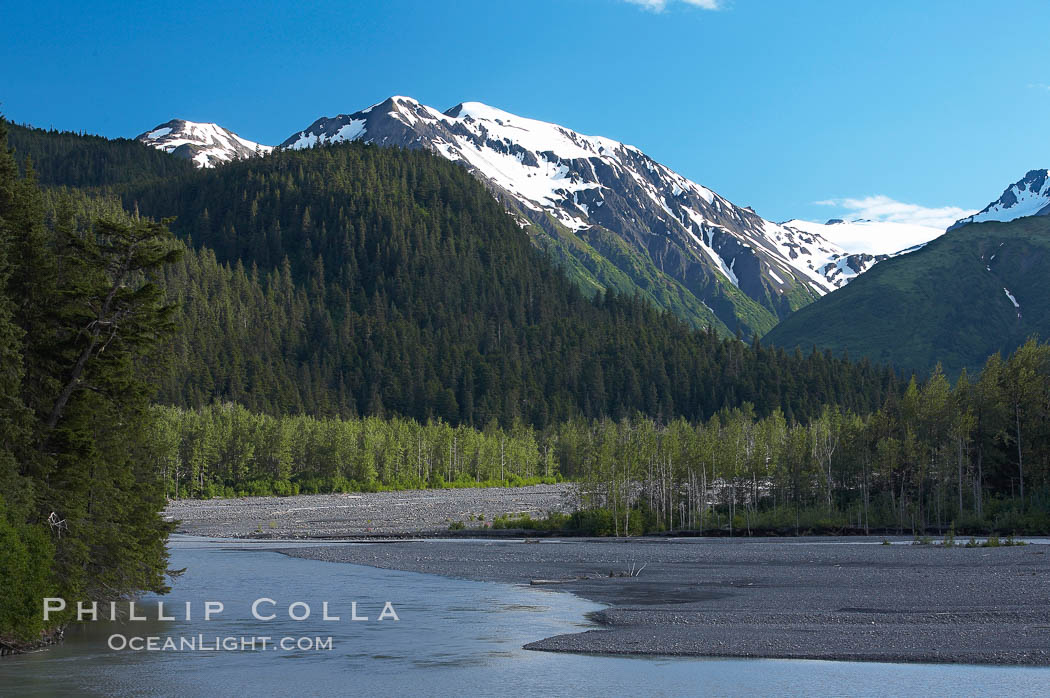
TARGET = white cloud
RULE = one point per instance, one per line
(1038, 86)
(661, 5)
(883, 208)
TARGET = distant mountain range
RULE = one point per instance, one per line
(615, 218)
(978, 289)
(612, 216)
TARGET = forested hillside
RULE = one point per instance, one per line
(385, 282)
(358, 280)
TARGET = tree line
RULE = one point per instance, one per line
(226, 450)
(974, 455)
(70, 159)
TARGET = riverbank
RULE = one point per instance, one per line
(833, 599)
(406, 513)
(11, 646)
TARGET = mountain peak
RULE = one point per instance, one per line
(206, 144)
(480, 110)
(1029, 196)
(391, 102)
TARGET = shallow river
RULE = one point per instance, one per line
(452, 637)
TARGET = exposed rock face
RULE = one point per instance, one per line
(1028, 197)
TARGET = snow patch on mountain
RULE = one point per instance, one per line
(870, 236)
(206, 144)
(347, 132)
(1028, 197)
(822, 260)
(1011, 297)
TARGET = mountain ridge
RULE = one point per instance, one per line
(590, 197)
(974, 291)
(1029, 196)
(614, 218)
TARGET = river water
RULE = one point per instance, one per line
(452, 637)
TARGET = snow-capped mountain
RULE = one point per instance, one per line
(588, 195)
(1028, 197)
(829, 260)
(865, 236)
(610, 214)
(207, 145)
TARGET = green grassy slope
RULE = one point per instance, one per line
(598, 259)
(945, 302)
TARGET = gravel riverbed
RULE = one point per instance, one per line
(380, 514)
(775, 598)
(811, 598)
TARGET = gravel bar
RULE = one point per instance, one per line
(405, 513)
(831, 599)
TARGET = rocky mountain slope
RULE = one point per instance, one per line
(1028, 197)
(613, 216)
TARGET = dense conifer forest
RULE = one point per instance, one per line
(67, 159)
(391, 283)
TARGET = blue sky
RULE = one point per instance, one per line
(891, 108)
